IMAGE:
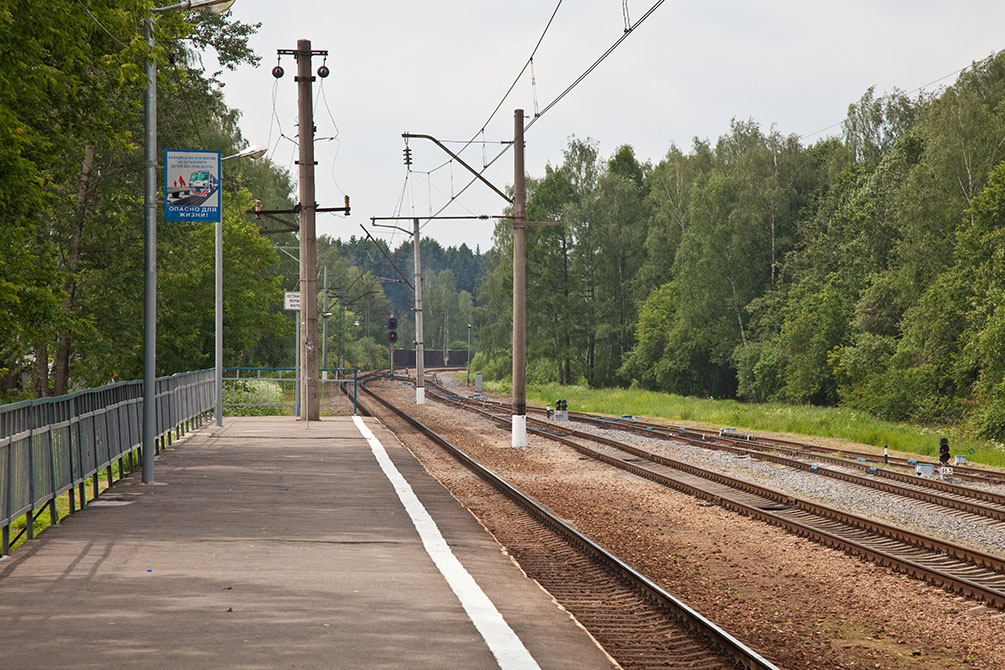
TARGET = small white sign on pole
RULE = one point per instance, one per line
(291, 301)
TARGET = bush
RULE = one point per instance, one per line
(253, 397)
(989, 420)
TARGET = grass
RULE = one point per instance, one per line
(801, 420)
(62, 502)
(43, 521)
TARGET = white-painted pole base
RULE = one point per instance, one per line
(520, 431)
(420, 395)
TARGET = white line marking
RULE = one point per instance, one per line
(500, 638)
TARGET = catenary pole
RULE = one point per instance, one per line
(420, 347)
(310, 406)
(519, 437)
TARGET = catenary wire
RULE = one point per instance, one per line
(600, 60)
(920, 88)
(554, 102)
(511, 86)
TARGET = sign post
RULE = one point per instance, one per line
(291, 302)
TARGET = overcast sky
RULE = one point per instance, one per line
(440, 67)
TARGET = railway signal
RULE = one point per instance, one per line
(392, 330)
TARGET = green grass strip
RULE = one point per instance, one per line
(829, 422)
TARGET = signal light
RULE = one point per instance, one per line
(392, 337)
(392, 327)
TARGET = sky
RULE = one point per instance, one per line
(441, 67)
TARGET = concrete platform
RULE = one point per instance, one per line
(265, 543)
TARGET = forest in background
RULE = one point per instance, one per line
(864, 270)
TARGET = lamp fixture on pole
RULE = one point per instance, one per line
(253, 153)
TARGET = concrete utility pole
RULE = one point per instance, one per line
(307, 208)
(519, 437)
(420, 347)
(520, 223)
(310, 407)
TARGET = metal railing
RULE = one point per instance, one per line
(52, 446)
(258, 391)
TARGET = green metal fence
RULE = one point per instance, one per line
(53, 446)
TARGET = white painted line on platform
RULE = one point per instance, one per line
(504, 644)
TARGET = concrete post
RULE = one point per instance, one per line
(519, 437)
(420, 347)
(310, 409)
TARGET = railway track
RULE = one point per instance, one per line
(636, 621)
(953, 567)
(849, 458)
(964, 499)
(977, 502)
(844, 458)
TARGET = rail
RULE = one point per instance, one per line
(717, 638)
(52, 446)
(953, 567)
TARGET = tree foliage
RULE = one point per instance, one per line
(864, 270)
(71, 131)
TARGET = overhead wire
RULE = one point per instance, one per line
(188, 106)
(912, 92)
(322, 98)
(596, 63)
(101, 25)
(557, 99)
(511, 86)
(495, 110)
(276, 122)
